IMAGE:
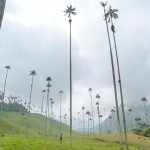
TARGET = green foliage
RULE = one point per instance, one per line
(145, 132)
(15, 106)
(2, 135)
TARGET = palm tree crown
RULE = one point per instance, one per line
(97, 96)
(33, 73)
(90, 89)
(144, 99)
(83, 108)
(60, 92)
(48, 79)
(103, 4)
(43, 91)
(70, 10)
(87, 113)
(111, 13)
(8, 67)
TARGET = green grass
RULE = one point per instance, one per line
(13, 141)
(18, 142)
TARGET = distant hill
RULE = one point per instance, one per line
(15, 122)
(137, 112)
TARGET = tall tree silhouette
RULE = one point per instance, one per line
(60, 92)
(113, 74)
(32, 73)
(98, 97)
(43, 91)
(48, 79)
(144, 100)
(130, 111)
(3, 94)
(90, 90)
(83, 120)
(70, 11)
(110, 15)
(88, 114)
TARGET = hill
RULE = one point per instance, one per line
(15, 122)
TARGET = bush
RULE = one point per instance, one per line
(145, 132)
(2, 135)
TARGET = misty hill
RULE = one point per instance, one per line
(15, 122)
(110, 125)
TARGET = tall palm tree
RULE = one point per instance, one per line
(88, 114)
(32, 73)
(110, 15)
(48, 79)
(100, 116)
(98, 113)
(70, 11)
(43, 91)
(144, 100)
(3, 94)
(110, 118)
(83, 120)
(113, 74)
(60, 92)
(113, 111)
(52, 103)
(130, 111)
(90, 90)
(2, 8)
(105, 121)
(90, 124)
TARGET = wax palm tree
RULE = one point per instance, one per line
(79, 121)
(130, 111)
(32, 73)
(113, 74)
(105, 121)
(90, 124)
(90, 90)
(98, 97)
(110, 15)
(110, 118)
(98, 113)
(144, 100)
(3, 94)
(43, 91)
(88, 114)
(60, 92)
(83, 119)
(70, 11)
(48, 79)
(113, 111)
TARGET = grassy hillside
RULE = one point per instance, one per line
(16, 123)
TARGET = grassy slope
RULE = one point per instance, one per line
(8, 118)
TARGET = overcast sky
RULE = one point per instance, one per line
(35, 35)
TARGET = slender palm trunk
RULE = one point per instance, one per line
(146, 113)
(3, 95)
(131, 120)
(41, 113)
(51, 118)
(60, 113)
(88, 125)
(29, 108)
(92, 111)
(47, 117)
(83, 122)
(120, 85)
(105, 122)
(70, 88)
(114, 81)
